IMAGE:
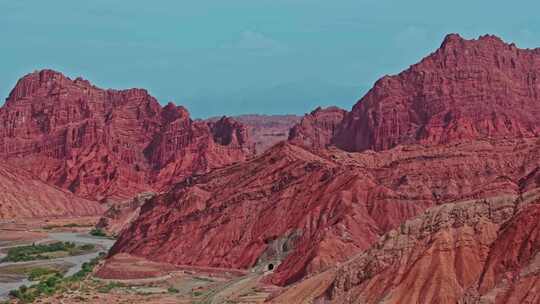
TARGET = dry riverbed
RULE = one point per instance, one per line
(122, 279)
(40, 234)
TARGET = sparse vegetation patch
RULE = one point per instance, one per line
(53, 282)
(45, 251)
(98, 232)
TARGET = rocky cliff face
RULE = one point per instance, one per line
(23, 195)
(317, 129)
(467, 89)
(108, 143)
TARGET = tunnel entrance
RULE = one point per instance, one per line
(270, 266)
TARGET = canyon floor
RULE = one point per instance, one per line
(124, 278)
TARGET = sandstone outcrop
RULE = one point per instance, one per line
(317, 129)
(468, 252)
(23, 195)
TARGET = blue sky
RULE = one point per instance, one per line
(244, 56)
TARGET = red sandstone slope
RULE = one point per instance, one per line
(24, 196)
(317, 129)
(308, 211)
(483, 251)
(512, 271)
(107, 143)
(467, 89)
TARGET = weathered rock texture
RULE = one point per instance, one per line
(307, 211)
(459, 126)
(467, 89)
(121, 214)
(482, 251)
(266, 130)
(23, 195)
(317, 129)
(108, 143)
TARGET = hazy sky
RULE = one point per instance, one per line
(244, 56)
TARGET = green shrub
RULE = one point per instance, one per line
(173, 290)
(87, 267)
(38, 273)
(22, 294)
(15, 293)
(37, 252)
(23, 288)
(87, 247)
(52, 281)
(98, 232)
(70, 225)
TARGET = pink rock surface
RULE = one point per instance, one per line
(468, 252)
(23, 195)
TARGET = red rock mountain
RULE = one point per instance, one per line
(467, 89)
(23, 195)
(480, 251)
(317, 129)
(108, 143)
(448, 131)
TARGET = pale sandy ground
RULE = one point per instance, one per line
(307, 290)
(39, 223)
(191, 289)
(191, 284)
(9, 237)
